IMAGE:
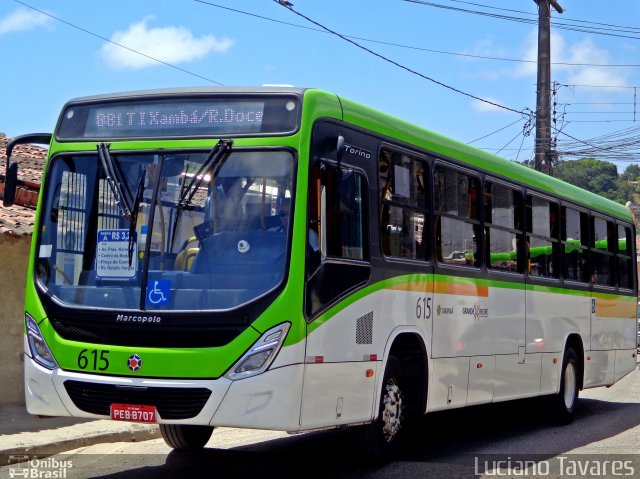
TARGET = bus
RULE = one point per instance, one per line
(287, 259)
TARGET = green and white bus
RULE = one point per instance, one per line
(284, 258)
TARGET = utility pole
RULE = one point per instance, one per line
(543, 154)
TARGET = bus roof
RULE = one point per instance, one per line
(167, 92)
(403, 131)
(439, 144)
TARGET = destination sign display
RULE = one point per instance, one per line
(179, 117)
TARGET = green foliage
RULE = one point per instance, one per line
(600, 177)
(631, 173)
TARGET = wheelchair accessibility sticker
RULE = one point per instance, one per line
(158, 291)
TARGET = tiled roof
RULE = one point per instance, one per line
(18, 220)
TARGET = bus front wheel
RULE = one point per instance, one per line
(378, 440)
(185, 436)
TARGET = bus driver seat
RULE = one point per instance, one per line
(185, 258)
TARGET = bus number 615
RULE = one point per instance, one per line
(84, 359)
(423, 308)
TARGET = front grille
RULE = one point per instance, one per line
(171, 403)
(196, 336)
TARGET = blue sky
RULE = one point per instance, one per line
(47, 61)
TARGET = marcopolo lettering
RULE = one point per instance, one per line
(126, 318)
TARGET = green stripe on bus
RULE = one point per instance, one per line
(400, 280)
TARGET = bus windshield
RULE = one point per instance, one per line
(192, 238)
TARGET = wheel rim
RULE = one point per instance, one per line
(569, 386)
(392, 410)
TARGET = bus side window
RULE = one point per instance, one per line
(344, 213)
(503, 226)
(457, 216)
(602, 253)
(542, 237)
(574, 247)
(403, 205)
(625, 264)
(337, 231)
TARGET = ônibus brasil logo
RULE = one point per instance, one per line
(134, 363)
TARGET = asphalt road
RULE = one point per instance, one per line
(489, 441)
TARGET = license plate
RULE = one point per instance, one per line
(133, 413)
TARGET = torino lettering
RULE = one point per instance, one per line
(354, 150)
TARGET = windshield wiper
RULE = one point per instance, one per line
(133, 234)
(114, 179)
(214, 161)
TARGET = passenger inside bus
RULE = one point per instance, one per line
(280, 222)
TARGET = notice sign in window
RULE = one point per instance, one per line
(112, 255)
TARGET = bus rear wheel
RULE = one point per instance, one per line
(378, 441)
(185, 436)
(563, 404)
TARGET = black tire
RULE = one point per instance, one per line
(378, 441)
(185, 436)
(563, 404)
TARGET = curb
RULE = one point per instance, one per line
(133, 433)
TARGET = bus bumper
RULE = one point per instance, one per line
(268, 401)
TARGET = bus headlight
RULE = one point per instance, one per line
(40, 352)
(260, 355)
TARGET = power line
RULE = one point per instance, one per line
(623, 28)
(599, 86)
(289, 6)
(505, 149)
(621, 145)
(596, 103)
(560, 25)
(510, 141)
(84, 30)
(494, 8)
(520, 149)
(494, 132)
(599, 112)
(602, 121)
(413, 47)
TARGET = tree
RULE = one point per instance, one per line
(597, 176)
(631, 173)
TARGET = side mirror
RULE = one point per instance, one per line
(345, 199)
(10, 184)
(11, 181)
(340, 150)
(338, 184)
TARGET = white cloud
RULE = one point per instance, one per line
(168, 44)
(585, 53)
(530, 53)
(22, 20)
(484, 107)
(487, 47)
